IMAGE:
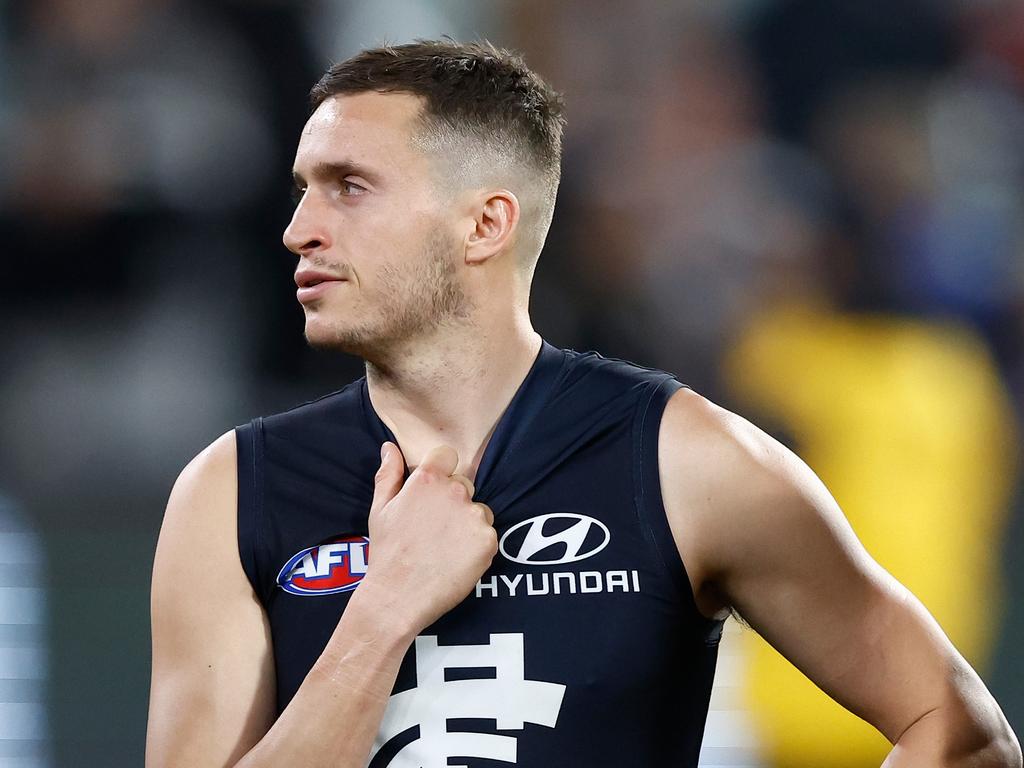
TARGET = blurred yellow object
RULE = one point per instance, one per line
(908, 424)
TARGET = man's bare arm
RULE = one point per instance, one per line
(212, 689)
(759, 532)
(212, 701)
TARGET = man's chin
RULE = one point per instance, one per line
(337, 340)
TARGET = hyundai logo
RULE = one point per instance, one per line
(554, 539)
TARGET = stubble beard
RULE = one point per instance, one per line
(411, 303)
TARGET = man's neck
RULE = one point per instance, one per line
(452, 390)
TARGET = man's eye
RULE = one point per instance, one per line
(297, 193)
(351, 188)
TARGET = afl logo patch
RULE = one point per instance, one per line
(554, 539)
(334, 566)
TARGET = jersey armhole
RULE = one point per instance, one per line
(651, 507)
(249, 442)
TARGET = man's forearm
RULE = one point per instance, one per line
(334, 716)
(954, 737)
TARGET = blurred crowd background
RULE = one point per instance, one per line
(812, 211)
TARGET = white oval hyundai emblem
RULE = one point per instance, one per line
(583, 537)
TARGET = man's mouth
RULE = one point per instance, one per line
(310, 278)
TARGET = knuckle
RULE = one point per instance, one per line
(459, 490)
(423, 476)
(467, 484)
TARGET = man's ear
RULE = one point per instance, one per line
(494, 225)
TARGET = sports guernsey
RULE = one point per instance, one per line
(581, 644)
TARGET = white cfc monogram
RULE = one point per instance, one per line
(508, 697)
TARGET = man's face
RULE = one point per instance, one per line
(372, 226)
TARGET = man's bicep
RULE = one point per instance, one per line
(212, 693)
(757, 528)
(807, 586)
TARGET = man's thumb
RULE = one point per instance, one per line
(388, 481)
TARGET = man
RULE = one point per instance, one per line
(359, 615)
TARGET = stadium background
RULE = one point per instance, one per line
(810, 210)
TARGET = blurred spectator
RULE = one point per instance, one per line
(138, 139)
(908, 424)
(131, 105)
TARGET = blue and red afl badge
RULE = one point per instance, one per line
(335, 566)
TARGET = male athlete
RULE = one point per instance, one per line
(520, 597)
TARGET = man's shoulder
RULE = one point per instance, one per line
(596, 372)
(726, 478)
(215, 464)
(717, 446)
(730, 492)
(341, 406)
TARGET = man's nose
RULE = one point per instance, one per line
(306, 232)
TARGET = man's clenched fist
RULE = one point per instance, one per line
(431, 542)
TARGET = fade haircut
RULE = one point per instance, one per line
(483, 110)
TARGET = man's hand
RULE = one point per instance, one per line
(430, 542)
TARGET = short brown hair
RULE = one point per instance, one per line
(471, 90)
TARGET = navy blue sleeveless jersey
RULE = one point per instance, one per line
(581, 645)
